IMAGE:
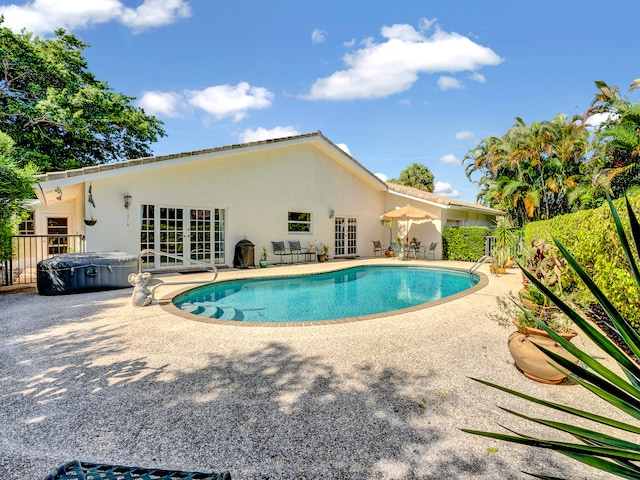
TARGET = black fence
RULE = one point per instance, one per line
(28, 250)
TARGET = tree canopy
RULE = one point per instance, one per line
(58, 113)
(417, 176)
(16, 187)
(543, 169)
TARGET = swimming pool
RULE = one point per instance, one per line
(352, 292)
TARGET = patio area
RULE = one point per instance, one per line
(90, 377)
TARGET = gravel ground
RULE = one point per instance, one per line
(90, 377)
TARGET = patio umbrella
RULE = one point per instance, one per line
(408, 214)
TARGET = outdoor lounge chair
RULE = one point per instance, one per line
(295, 249)
(279, 249)
(377, 248)
(431, 251)
(76, 470)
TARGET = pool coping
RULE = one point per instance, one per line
(166, 302)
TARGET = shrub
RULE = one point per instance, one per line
(463, 243)
(597, 446)
(594, 244)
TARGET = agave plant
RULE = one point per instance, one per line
(603, 451)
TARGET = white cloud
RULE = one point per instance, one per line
(450, 158)
(221, 101)
(378, 70)
(478, 77)
(445, 189)
(425, 23)
(224, 101)
(344, 148)
(44, 16)
(168, 104)
(596, 120)
(263, 134)
(465, 135)
(350, 43)
(155, 13)
(447, 83)
(381, 176)
(318, 36)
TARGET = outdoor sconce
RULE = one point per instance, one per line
(332, 212)
(127, 201)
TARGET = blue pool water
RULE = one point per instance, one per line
(352, 292)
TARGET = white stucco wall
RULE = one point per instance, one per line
(257, 189)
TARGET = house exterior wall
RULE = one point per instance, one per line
(257, 189)
(255, 185)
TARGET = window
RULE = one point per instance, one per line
(27, 226)
(299, 222)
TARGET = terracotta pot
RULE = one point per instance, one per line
(531, 361)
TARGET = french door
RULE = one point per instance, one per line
(57, 231)
(345, 241)
(193, 234)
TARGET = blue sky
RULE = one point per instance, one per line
(392, 82)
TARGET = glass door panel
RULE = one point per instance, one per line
(196, 234)
(58, 242)
(171, 224)
(200, 235)
(345, 239)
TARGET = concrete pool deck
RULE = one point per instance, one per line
(90, 377)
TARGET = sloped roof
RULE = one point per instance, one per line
(444, 202)
(68, 175)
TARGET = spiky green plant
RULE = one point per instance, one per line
(605, 452)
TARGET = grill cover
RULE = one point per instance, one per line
(244, 255)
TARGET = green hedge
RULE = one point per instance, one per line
(463, 243)
(591, 238)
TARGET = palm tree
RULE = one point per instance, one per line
(531, 169)
(615, 165)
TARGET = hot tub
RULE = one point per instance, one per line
(83, 272)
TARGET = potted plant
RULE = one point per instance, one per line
(263, 257)
(524, 342)
(505, 239)
(605, 443)
(323, 254)
(532, 304)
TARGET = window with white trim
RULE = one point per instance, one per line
(298, 222)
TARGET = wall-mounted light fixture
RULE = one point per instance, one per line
(127, 200)
(332, 212)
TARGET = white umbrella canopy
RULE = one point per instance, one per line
(408, 212)
(406, 216)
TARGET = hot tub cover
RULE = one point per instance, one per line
(80, 272)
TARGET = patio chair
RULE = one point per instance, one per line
(279, 249)
(295, 249)
(415, 250)
(397, 250)
(431, 251)
(377, 248)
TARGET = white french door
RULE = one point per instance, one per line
(193, 234)
(346, 238)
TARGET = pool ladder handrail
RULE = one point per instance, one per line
(152, 290)
(481, 262)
